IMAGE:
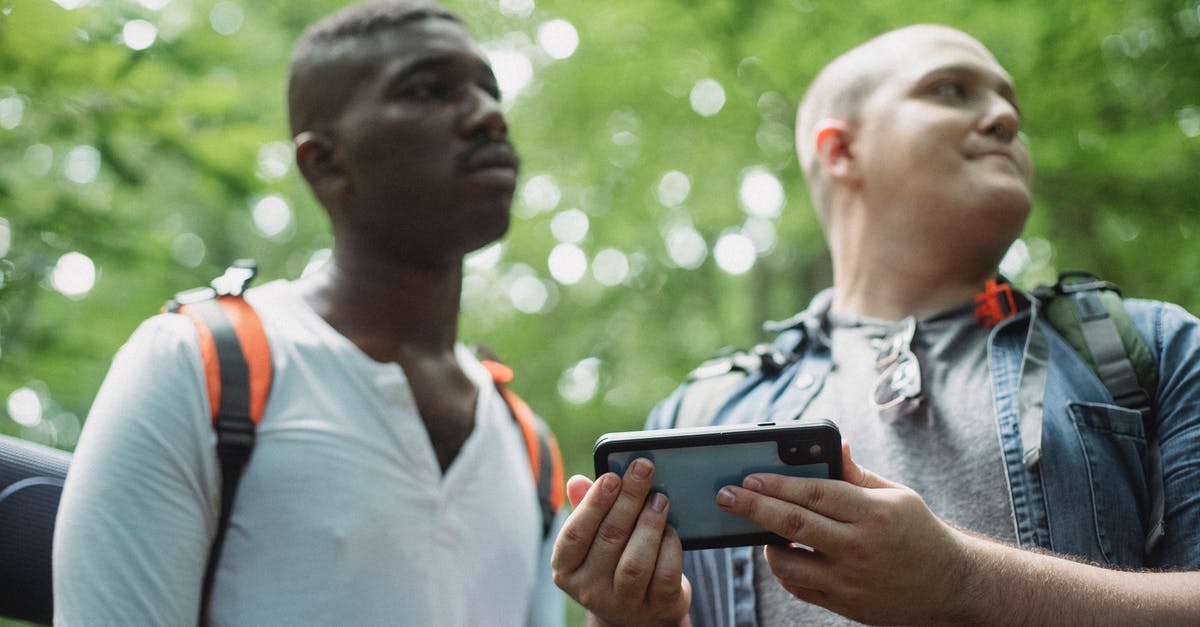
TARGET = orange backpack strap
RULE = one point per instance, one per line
(545, 459)
(237, 372)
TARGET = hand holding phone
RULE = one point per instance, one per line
(692, 465)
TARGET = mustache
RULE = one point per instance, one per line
(501, 146)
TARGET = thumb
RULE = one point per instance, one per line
(859, 476)
(577, 487)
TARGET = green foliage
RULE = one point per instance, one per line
(188, 133)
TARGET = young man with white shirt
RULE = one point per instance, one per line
(389, 483)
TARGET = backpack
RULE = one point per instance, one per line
(1086, 311)
(237, 366)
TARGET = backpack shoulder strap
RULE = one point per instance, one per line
(237, 371)
(545, 459)
(1090, 315)
(711, 384)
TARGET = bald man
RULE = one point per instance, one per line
(910, 147)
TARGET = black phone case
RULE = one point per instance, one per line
(801, 435)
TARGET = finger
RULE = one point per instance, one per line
(579, 530)
(577, 487)
(666, 584)
(637, 562)
(860, 476)
(615, 529)
(838, 500)
(798, 571)
(792, 521)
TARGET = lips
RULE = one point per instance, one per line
(497, 156)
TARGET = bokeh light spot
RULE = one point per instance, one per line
(513, 71)
(558, 38)
(138, 34)
(673, 188)
(685, 246)
(189, 249)
(610, 267)
(734, 253)
(5, 238)
(274, 160)
(570, 226)
(272, 215)
(226, 18)
(707, 97)
(25, 407)
(761, 194)
(39, 158)
(528, 294)
(567, 263)
(82, 164)
(579, 383)
(74, 275)
(540, 194)
(12, 111)
(517, 8)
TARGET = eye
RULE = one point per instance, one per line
(491, 88)
(425, 90)
(949, 90)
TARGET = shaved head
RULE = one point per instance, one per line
(842, 86)
(337, 53)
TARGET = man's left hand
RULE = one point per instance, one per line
(879, 555)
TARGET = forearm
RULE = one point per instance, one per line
(592, 621)
(1005, 585)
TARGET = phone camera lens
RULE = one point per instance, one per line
(814, 450)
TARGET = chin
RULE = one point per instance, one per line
(491, 229)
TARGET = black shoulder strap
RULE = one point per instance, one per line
(31, 480)
(225, 324)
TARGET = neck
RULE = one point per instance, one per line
(881, 273)
(385, 307)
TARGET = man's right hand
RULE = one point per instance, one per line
(617, 556)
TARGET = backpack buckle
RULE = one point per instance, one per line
(236, 278)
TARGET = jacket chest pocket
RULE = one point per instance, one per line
(1112, 444)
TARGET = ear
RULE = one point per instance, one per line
(832, 139)
(318, 162)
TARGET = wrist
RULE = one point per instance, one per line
(969, 579)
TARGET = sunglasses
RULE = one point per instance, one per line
(897, 390)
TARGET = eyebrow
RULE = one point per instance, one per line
(438, 62)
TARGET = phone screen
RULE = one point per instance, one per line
(691, 476)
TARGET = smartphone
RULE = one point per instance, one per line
(692, 465)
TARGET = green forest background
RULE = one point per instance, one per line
(661, 214)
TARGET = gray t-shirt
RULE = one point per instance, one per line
(947, 449)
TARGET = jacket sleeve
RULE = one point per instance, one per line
(663, 414)
(1175, 336)
(139, 504)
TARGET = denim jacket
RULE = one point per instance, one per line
(1087, 496)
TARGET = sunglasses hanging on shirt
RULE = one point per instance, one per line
(897, 391)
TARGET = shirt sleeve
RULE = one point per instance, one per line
(549, 603)
(139, 505)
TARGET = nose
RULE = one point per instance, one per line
(482, 115)
(1001, 120)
